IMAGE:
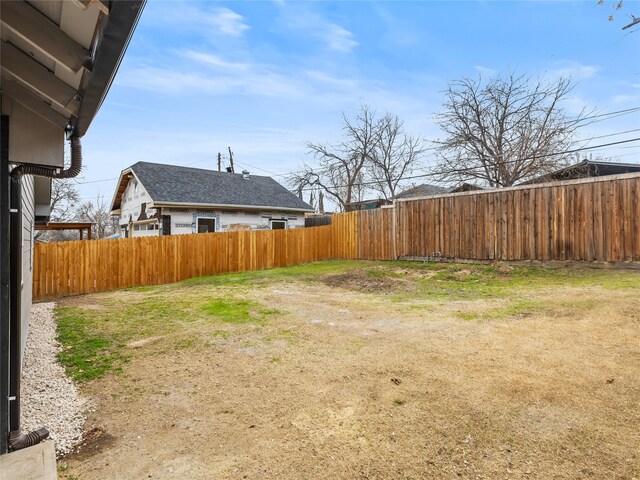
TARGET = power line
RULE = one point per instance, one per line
(626, 111)
(577, 141)
(610, 115)
(97, 181)
(471, 169)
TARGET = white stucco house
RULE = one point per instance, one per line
(153, 199)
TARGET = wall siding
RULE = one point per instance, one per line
(28, 217)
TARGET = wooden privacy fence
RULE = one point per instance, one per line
(586, 220)
(595, 219)
(72, 268)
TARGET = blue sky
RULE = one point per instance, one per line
(264, 77)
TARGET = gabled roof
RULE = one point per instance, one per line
(423, 190)
(586, 168)
(184, 186)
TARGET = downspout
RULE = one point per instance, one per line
(16, 439)
(5, 308)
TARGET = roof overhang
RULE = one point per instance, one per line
(227, 206)
(123, 181)
(58, 60)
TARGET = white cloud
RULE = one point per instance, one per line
(624, 98)
(573, 70)
(219, 21)
(226, 21)
(324, 77)
(338, 38)
(215, 61)
(299, 17)
(166, 80)
(485, 71)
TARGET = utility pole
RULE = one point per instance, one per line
(219, 162)
(233, 169)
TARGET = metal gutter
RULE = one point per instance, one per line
(120, 25)
(226, 206)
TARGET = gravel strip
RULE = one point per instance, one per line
(49, 398)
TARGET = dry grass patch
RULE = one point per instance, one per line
(452, 372)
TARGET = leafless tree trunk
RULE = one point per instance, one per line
(505, 130)
(395, 156)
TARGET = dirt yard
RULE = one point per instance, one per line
(361, 370)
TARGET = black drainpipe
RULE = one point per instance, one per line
(17, 440)
(15, 291)
(12, 266)
(4, 284)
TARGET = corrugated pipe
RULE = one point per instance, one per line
(40, 171)
(18, 441)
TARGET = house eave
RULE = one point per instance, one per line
(226, 205)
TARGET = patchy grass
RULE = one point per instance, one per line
(86, 355)
(237, 311)
(363, 370)
(95, 339)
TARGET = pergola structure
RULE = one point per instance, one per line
(80, 226)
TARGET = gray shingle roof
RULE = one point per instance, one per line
(423, 190)
(185, 185)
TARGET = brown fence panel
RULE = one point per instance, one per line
(77, 267)
(580, 220)
(585, 220)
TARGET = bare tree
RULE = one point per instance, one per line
(504, 130)
(618, 5)
(104, 224)
(64, 198)
(394, 157)
(341, 166)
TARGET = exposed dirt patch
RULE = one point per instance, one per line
(92, 302)
(94, 441)
(344, 383)
(372, 281)
(143, 342)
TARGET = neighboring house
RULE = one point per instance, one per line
(154, 199)
(466, 187)
(423, 190)
(58, 60)
(366, 204)
(585, 169)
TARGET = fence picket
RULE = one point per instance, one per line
(588, 219)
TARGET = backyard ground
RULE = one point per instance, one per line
(361, 370)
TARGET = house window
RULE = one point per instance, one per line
(206, 225)
(278, 224)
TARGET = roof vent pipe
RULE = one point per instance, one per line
(245, 174)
